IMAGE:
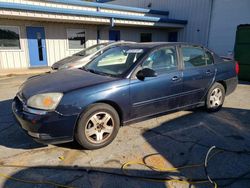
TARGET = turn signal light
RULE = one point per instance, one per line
(47, 101)
(237, 67)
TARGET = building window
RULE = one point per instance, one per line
(146, 37)
(9, 37)
(76, 38)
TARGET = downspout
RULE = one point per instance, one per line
(210, 21)
(98, 29)
(98, 35)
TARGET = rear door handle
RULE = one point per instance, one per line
(208, 72)
(175, 78)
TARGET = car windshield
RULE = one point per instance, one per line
(91, 50)
(115, 61)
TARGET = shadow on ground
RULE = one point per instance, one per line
(12, 136)
(186, 140)
(179, 142)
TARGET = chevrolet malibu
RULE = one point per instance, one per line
(126, 83)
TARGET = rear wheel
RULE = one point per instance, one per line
(215, 97)
(98, 126)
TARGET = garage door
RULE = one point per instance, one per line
(242, 51)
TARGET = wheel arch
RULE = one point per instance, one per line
(111, 103)
(115, 106)
(223, 83)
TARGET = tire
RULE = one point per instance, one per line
(97, 126)
(215, 97)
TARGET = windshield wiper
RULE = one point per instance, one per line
(97, 72)
(82, 68)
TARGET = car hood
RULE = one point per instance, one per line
(70, 59)
(62, 81)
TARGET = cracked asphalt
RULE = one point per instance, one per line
(173, 140)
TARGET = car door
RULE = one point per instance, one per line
(198, 73)
(161, 93)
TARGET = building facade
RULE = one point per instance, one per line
(212, 23)
(226, 16)
(37, 33)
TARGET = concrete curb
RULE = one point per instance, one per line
(19, 72)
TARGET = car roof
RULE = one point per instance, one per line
(153, 44)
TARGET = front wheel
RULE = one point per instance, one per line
(215, 97)
(98, 126)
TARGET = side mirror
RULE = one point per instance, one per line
(146, 72)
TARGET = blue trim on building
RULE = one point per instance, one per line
(159, 12)
(44, 9)
(101, 5)
(110, 6)
(103, 1)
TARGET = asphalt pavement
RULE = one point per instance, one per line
(175, 140)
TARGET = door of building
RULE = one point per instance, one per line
(37, 47)
(242, 49)
(114, 35)
(172, 36)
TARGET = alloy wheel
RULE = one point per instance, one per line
(216, 98)
(99, 127)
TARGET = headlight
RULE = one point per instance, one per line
(45, 101)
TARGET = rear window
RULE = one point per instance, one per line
(193, 57)
(196, 57)
(209, 58)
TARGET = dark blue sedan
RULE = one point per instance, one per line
(125, 84)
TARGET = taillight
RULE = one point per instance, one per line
(237, 67)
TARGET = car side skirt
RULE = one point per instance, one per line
(135, 120)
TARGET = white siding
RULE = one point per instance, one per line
(197, 12)
(224, 22)
(56, 43)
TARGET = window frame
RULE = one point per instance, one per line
(158, 49)
(182, 60)
(211, 53)
(76, 49)
(10, 49)
(138, 67)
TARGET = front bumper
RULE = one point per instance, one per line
(47, 128)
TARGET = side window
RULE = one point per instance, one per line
(193, 57)
(209, 58)
(162, 60)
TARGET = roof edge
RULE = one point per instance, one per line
(53, 10)
(102, 4)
